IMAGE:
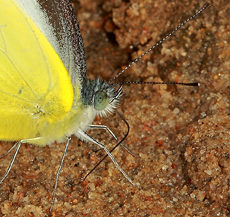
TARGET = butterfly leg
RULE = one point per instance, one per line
(86, 137)
(104, 128)
(113, 135)
(58, 173)
(2, 156)
(18, 145)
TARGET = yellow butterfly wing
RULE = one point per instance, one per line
(35, 87)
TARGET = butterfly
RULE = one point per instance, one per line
(45, 95)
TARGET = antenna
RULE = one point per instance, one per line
(205, 6)
(195, 84)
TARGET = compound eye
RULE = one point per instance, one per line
(101, 100)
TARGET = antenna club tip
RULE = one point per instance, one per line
(197, 84)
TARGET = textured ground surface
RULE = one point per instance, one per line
(180, 134)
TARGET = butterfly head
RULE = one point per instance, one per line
(101, 96)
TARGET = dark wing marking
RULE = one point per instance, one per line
(69, 43)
